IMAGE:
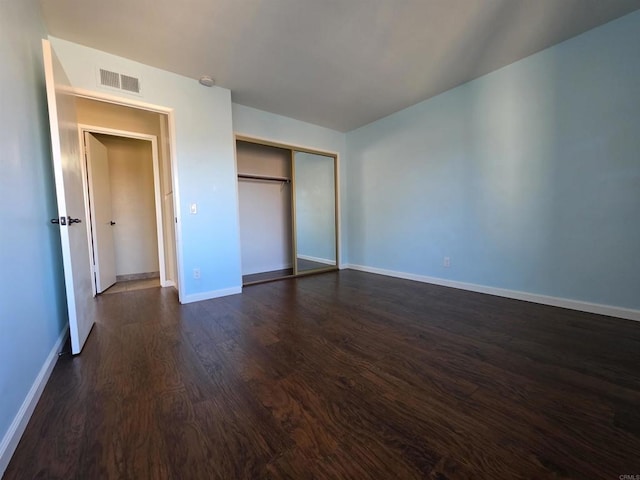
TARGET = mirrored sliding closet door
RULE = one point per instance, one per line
(314, 191)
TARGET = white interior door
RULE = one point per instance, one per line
(67, 168)
(101, 217)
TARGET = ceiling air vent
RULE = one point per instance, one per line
(119, 81)
(130, 84)
(109, 79)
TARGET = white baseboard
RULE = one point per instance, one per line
(326, 261)
(197, 297)
(579, 305)
(20, 421)
(168, 283)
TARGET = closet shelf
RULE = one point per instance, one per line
(266, 178)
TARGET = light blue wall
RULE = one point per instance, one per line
(32, 300)
(276, 128)
(315, 206)
(527, 178)
(205, 162)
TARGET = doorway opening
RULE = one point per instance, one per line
(124, 201)
(129, 197)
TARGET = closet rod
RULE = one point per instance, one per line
(264, 177)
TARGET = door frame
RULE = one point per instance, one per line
(82, 128)
(175, 184)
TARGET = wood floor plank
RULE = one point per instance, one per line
(340, 375)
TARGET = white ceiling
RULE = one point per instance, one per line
(337, 63)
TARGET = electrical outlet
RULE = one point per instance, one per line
(446, 262)
(196, 273)
(193, 208)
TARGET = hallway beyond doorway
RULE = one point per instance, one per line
(132, 285)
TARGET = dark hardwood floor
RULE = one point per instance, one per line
(340, 375)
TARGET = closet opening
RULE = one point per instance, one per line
(287, 200)
(264, 200)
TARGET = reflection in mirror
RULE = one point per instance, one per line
(315, 211)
